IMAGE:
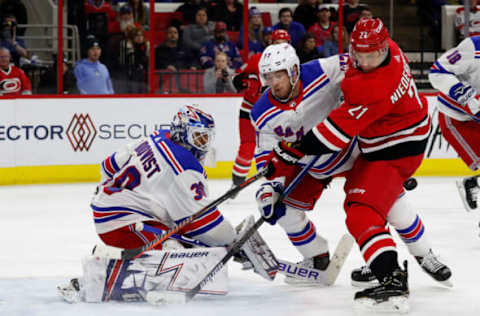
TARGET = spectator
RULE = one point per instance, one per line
(134, 52)
(10, 40)
(323, 27)
(100, 17)
(18, 10)
(48, 83)
(13, 80)
(141, 13)
(189, 10)
(124, 21)
(306, 13)
(219, 43)
(172, 55)
(366, 13)
(307, 49)
(330, 47)
(255, 32)
(92, 76)
(267, 36)
(474, 24)
(195, 35)
(218, 79)
(351, 13)
(230, 12)
(295, 29)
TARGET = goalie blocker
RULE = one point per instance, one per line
(161, 277)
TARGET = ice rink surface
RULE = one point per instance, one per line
(47, 229)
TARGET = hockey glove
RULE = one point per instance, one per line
(282, 161)
(473, 107)
(239, 81)
(267, 200)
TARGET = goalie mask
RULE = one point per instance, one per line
(193, 129)
(279, 57)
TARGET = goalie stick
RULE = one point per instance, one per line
(130, 254)
(236, 246)
(315, 276)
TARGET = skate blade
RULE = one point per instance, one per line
(304, 283)
(159, 298)
(397, 305)
(446, 283)
(463, 194)
(365, 285)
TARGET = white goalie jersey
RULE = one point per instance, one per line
(320, 94)
(155, 179)
(456, 74)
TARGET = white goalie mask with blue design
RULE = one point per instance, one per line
(193, 129)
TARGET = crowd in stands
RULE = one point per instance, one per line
(200, 38)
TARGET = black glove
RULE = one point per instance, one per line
(239, 81)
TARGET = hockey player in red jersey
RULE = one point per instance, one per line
(383, 109)
(249, 81)
(13, 80)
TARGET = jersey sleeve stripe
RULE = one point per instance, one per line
(325, 141)
(315, 85)
(267, 116)
(438, 68)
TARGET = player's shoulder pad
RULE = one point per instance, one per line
(182, 155)
(261, 106)
(310, 71)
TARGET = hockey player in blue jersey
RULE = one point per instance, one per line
(148, 187)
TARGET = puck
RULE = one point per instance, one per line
(410, 184)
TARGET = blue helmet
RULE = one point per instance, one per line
(193, 129)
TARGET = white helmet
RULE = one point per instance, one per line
(279, 57)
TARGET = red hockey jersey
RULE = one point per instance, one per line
(14, 82)
(383, 108)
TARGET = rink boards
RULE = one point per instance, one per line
(48, 140)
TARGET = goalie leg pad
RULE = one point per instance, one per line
(178, 270)
(258, 252)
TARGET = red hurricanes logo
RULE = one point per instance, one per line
(81, 132)
(10, 85)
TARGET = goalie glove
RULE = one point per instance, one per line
(282, 160)
(267, 199)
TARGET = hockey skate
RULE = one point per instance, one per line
(469, 191)
(70, 292)
(319, 262)
(363, 278)
(391, 295)
(434, 268)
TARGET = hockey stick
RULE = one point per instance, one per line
(130, 254)
(326, 277)
(236, 246)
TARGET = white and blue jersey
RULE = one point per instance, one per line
(456, 74)
(320, 94)
(154, 179)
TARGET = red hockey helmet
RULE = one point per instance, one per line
(369, 35)
(281, 35)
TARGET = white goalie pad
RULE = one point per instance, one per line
(176, 270)
(257, 251)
